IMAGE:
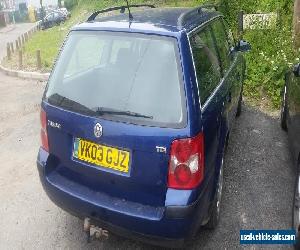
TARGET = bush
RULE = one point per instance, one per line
(70, 4)
(272, 50)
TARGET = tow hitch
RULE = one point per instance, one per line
(93, 232)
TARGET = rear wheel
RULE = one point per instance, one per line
(215, 209)
(283, 113)
(296, 206)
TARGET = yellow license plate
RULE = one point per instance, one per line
(101, 155)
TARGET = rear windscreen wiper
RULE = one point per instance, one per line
(65, 102)
(62, 101)
(103, 111)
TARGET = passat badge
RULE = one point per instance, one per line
(98, 130)
(54, 124)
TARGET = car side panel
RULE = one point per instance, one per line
(217, 117)
(226, 103)
(293, 119)
(233, 81)
(213, 124)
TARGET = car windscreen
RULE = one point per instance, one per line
(128, 77)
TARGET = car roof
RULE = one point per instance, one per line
(155, 19)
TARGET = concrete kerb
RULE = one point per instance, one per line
(25, 74)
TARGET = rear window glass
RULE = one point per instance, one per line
(206, 61)
(120, 76)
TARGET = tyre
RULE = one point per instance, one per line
(215, 209)
(283, 112)
(239, 108)
(296, 207)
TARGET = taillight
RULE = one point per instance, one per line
(186, 166)
(44, 135)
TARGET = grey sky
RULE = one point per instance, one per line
(36, 3)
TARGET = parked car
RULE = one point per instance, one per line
(290, 121)
(52, 19)
(65, 12)
(135, 119)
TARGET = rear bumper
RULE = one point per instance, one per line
(165, 226)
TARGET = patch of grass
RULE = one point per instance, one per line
(49, 42)
(268, 62)
(46, 41)
(272, 50)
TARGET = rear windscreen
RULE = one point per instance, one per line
(126, 77)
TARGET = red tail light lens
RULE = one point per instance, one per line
(44, 135)
(186, 167)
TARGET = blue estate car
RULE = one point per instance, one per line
(290, 121)
(135, 119)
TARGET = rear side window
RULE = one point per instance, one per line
(222, 44)
(206, 61)
(229, 34)
(117, 75)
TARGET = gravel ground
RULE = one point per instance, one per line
(258, 188)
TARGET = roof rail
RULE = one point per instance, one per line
(121, 8)
(185, 17)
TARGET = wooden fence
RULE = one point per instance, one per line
(18, 47)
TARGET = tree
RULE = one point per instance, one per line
(296, 24)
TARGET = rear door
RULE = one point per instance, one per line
(208, 72)
(231, 68)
